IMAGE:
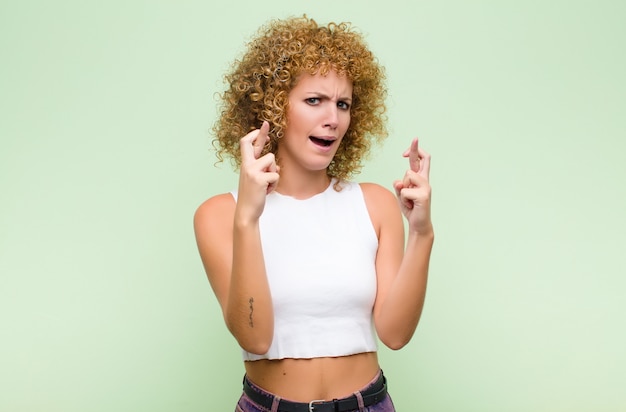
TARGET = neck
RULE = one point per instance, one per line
(302, 185)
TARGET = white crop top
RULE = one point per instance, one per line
(320, 258)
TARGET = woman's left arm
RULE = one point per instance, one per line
(402, 273)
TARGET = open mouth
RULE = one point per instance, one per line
(321, 142)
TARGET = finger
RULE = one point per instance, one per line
(409, 179)
(397, 186)
(266, 163)
(273, 167)
(405, 200)
(271, 171)
(413, 154)
(246, 148)
(424, 164)
(272, 181)
(414, 179)
(249, 144)
(261, 139)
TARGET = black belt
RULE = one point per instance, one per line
(372, 395)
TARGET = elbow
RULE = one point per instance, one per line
(395, 338)
(396, 343)
(255, 346)
(256, 343)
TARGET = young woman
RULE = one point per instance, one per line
(310, 268)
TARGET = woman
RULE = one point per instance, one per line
(309, 267)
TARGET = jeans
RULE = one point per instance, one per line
(245, 404)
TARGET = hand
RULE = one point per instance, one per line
(258, 175)
(413, 191)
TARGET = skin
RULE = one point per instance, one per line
(319, 106)
(228, 238)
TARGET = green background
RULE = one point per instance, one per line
(105, 110)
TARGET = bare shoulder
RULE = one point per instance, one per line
(214, 217)
(215, 209)
(381, 203)
(377, 196)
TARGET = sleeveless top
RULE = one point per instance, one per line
(320, 256)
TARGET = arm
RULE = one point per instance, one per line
(229, 242)
(401, 274)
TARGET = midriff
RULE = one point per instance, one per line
(304, 380)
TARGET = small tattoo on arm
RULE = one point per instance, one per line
(250, 321)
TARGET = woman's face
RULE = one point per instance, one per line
(317, 119)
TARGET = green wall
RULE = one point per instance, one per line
(105, 153)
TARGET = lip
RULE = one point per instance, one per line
(333, 138)
(321, 148)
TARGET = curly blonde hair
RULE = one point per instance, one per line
(259, 84)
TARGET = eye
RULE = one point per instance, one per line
(343, 105)
(312, 101)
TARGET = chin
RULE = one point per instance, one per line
(316, 167)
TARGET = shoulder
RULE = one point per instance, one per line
(214, 210)
(376, 194)
(381, 203)
(217, 203)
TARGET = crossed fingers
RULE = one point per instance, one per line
(262, 169)
(251, 145)
(419, 159)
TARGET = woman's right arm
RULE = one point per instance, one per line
(229, 242)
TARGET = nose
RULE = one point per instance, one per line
(332, 117)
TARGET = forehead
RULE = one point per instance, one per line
(331, 84)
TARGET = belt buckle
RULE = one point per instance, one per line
(312, 404)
